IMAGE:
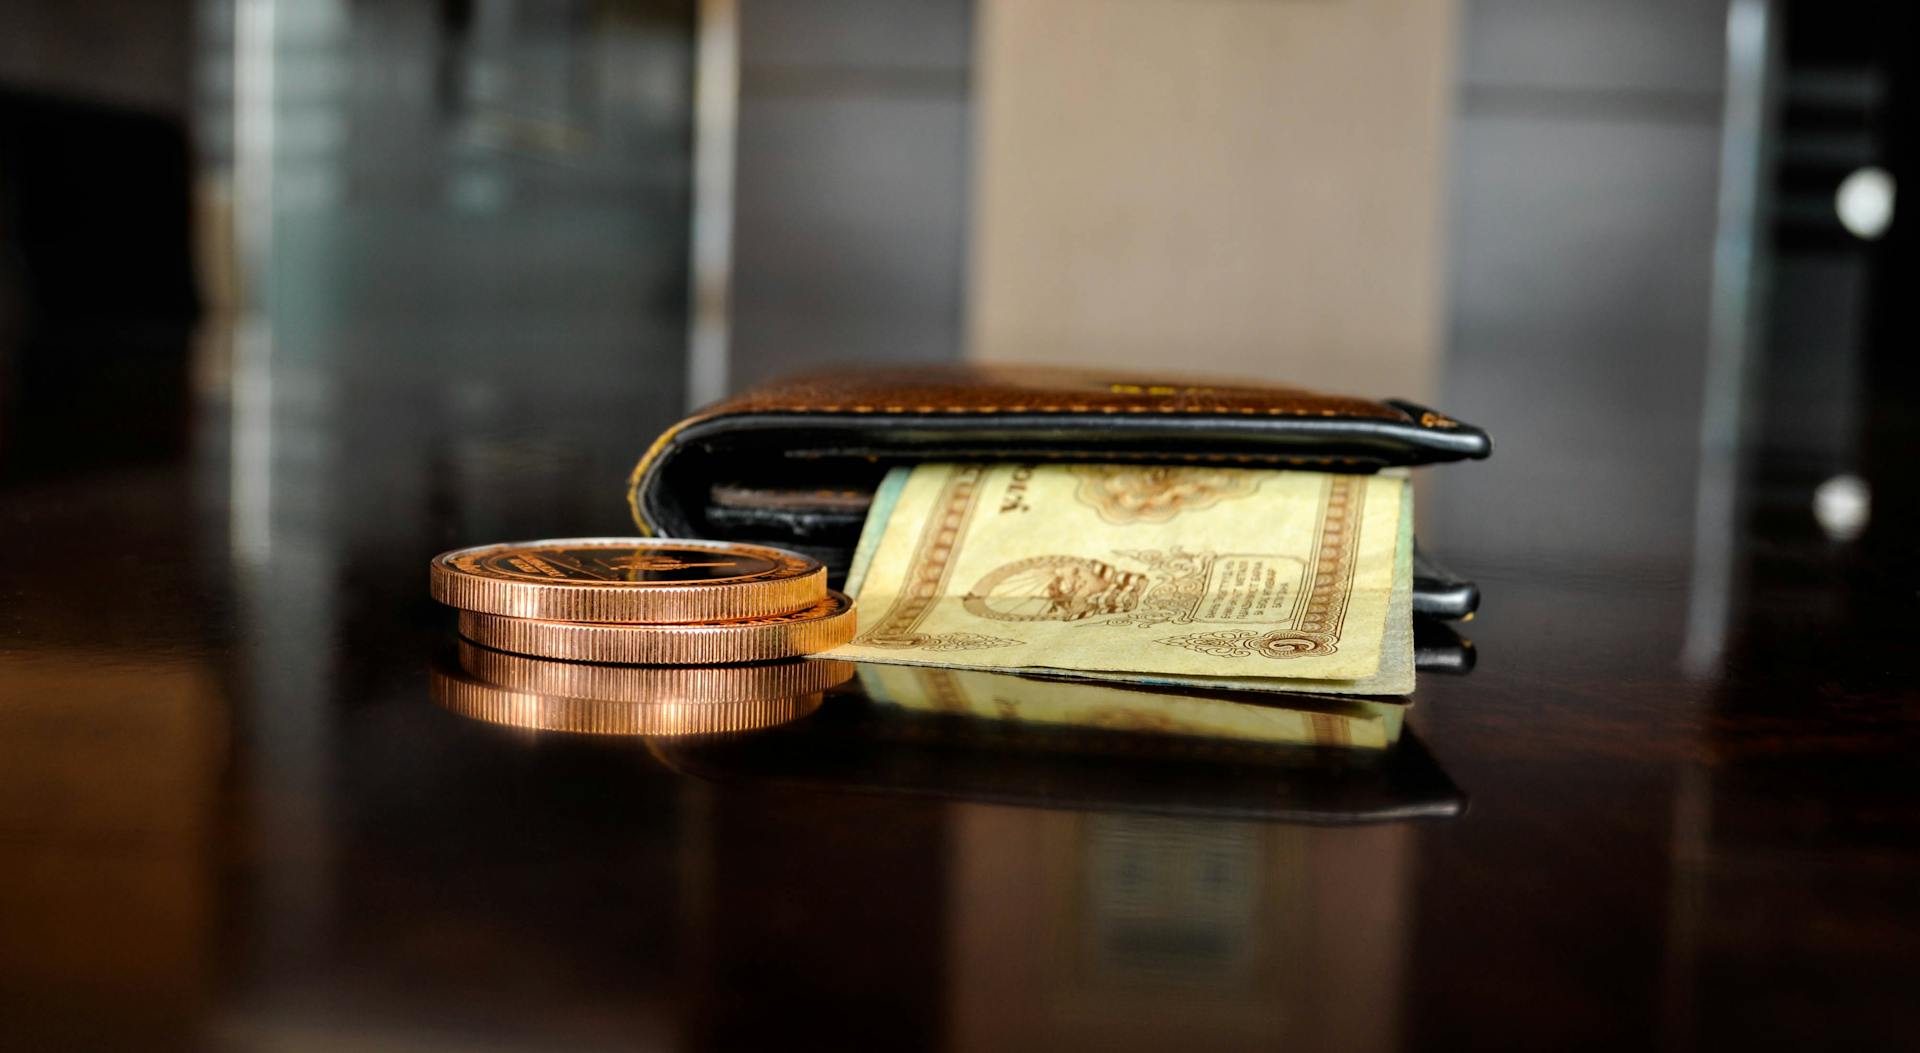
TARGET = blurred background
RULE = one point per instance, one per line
(297, 292)
(1616, 234)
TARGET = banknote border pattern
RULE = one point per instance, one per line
(1334, 566)
(928, 570)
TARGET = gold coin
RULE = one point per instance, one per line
(617, 579)
(653, 683)
(824, 625)
(494, 704)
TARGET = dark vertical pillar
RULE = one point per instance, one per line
(851, 184)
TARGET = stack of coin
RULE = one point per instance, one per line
(643, 601)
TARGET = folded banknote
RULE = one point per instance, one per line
(1208, 577)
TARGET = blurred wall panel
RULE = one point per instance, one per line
(475, 211)
(1243, 187)
(128, 52)
(850, 192)
(1584, 176)
(483, 186)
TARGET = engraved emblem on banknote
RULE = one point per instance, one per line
(1155, 494)
(1177, 587)
(1054, 589)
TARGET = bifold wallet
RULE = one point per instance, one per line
(795, 463)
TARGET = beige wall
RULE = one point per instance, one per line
(1249, 187)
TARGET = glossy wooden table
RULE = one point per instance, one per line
(231, 817)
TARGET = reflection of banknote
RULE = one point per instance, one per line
(999, 696)
(1273, 579)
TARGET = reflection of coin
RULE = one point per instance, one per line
(524, 709)
(654, 683)
(627, 580)
(824, 625)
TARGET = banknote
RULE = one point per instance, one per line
(1001, 696)
(1394, 677)
(1251, 577)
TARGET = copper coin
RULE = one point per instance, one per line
(479, 700)
(628, 580)
(823, 626)
(653, 683)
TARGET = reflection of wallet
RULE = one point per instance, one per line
(861, 743)
(795, 463)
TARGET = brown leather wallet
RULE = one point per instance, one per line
(795, 463)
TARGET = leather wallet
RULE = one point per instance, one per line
(795, 463)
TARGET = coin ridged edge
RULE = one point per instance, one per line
(715, 644)
(522, 709)
(652, 683)
(583, 601)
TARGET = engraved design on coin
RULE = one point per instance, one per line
(604, 563)
(1054, 589)
(1124, 494)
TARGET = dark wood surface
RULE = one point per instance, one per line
(231, 817)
